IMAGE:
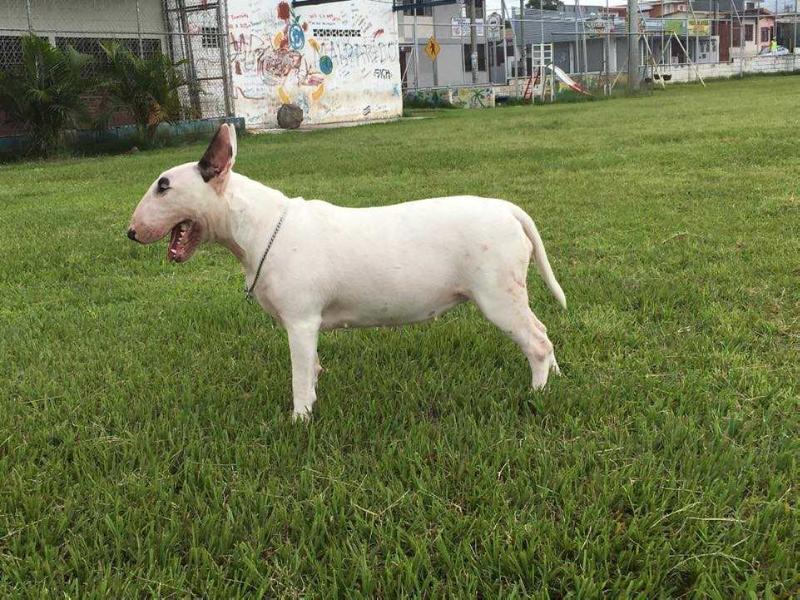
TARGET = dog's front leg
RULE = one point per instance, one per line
(303, 347)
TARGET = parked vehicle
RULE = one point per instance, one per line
(779, 51)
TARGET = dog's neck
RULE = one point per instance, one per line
(253, 210)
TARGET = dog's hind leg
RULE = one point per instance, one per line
(509, 310)
(303, 348)
(317, 370)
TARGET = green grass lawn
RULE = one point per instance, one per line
(145, 440)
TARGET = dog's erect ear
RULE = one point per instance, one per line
(220, 155)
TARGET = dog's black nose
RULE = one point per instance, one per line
(132, 234)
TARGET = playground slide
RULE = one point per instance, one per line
(568, 81)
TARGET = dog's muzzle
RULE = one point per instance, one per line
(132, 234)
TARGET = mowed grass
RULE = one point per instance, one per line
(145, 440)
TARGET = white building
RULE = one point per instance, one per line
(81, 23)
(450, 27)
(338, 61)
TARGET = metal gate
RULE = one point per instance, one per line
(197, 36)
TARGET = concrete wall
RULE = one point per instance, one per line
(761, 64)
(82, 16)
(457, 97)
(339, 62)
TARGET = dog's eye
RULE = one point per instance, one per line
(163, 185)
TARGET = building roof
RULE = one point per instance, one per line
(559, 25)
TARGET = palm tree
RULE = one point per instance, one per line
(146, 87)
(44, 93)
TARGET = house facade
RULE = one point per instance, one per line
(741, 29)
(578, 37)
(81, 24)
(449, 26)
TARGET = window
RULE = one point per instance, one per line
(766, 34)
(748, 32)
(209, 37)
(750, 6)
(736, 40)
(10, 52)
(481, 50)
(422, 11)
(500, 57)
(91, 46)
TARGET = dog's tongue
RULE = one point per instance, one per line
(172, 249)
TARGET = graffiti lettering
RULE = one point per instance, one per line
(360, 53)
(383, 74)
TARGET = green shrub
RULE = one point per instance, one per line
(145, 87)
(44, 93)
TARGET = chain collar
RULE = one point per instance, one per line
(248, 292)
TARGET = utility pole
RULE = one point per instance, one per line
(524, 56)
(794, 37)
(577, 43)
(416, 47)
(633, 46)
(473, 46)
(503, 38)
(607, 53)
(583, 36)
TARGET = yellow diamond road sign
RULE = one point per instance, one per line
(432, 48)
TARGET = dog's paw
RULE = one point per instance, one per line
(301, 417)
(554, 367)
(542, 370)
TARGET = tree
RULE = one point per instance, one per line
(545, 4)
(146, 87)
(45, 92)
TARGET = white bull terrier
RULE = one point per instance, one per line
(316, 266)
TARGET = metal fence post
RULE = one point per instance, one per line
(794, 38)
(524, 56)
(28, 12)
(139, 28)
(186, 39)
(222, 32)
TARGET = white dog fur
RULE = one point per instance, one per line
(333, 267)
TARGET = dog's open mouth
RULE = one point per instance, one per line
(183, 241)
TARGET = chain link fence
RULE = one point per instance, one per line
(586, 47)
(192, 33)
(543, 55)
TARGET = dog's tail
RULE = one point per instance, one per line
(539, 254)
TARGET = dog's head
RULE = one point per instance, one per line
(187, 200)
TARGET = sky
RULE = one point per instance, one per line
(495, 4)
(515, 3)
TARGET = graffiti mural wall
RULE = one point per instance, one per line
(338, 62)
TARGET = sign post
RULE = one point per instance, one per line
(432, 48)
